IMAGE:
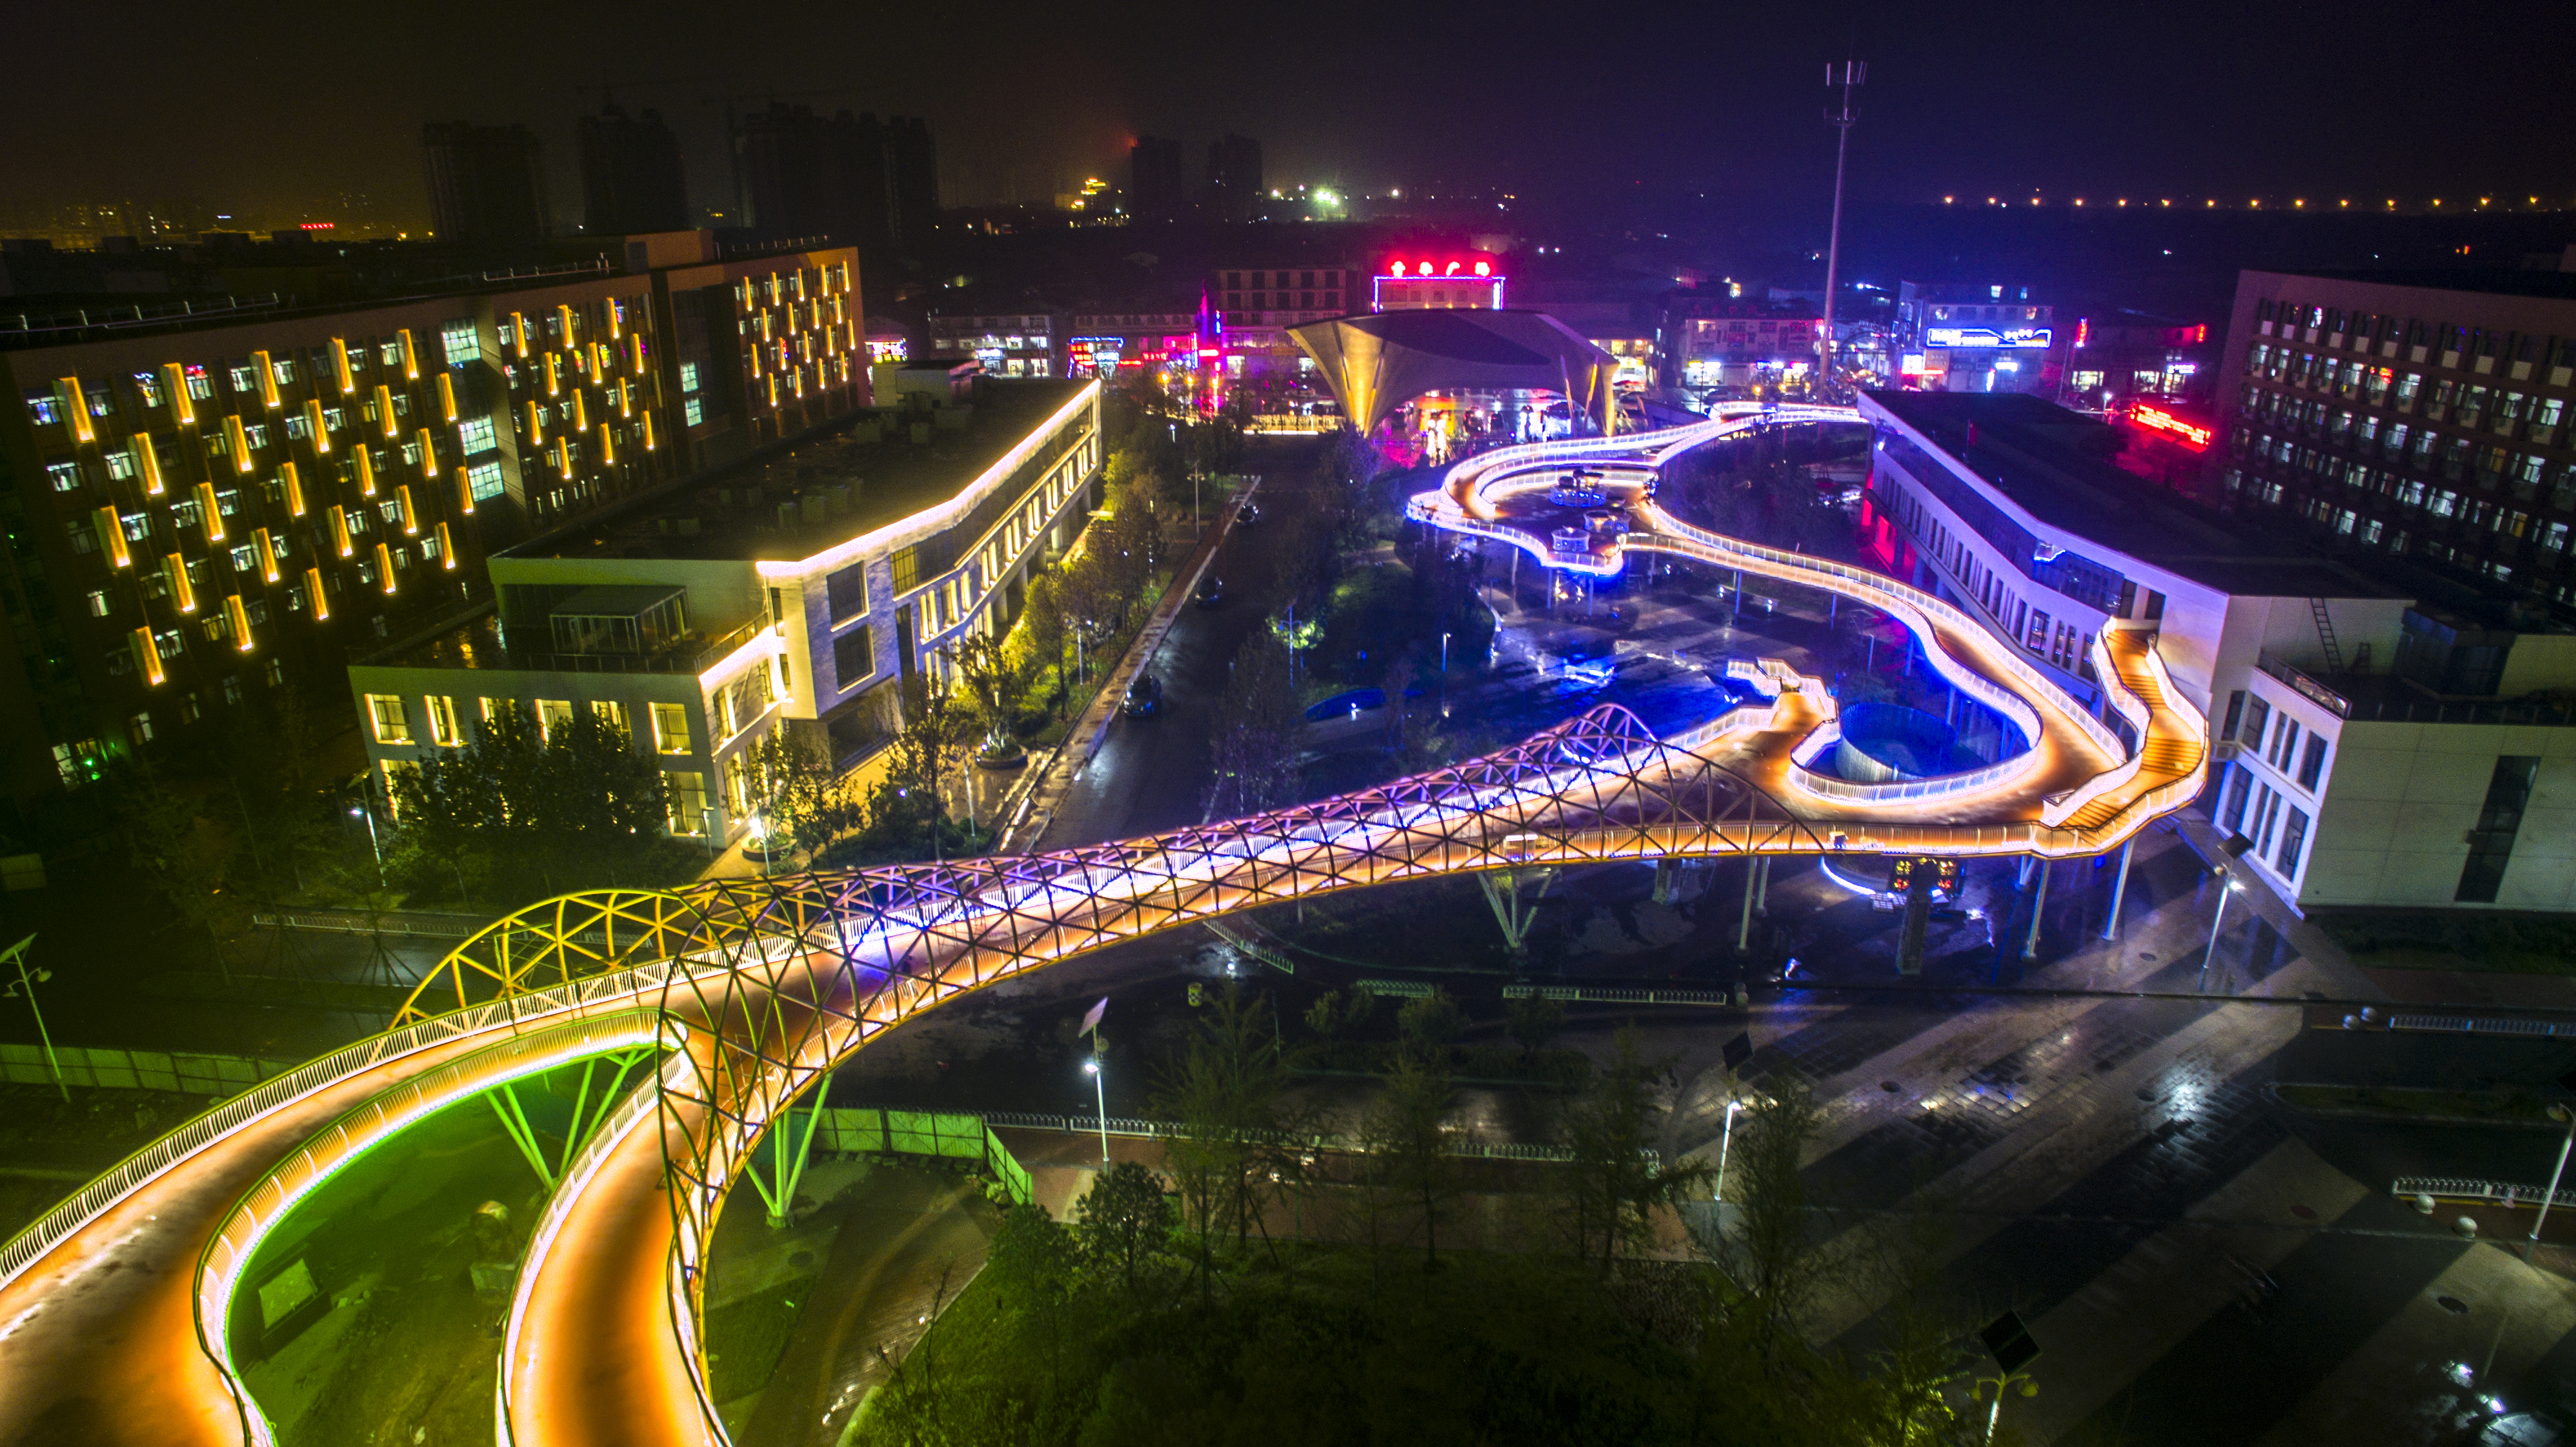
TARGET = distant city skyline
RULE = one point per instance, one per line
(2233, 102)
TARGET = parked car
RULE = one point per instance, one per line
(1211, 591)
(1144, 697)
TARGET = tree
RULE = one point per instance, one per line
(1225, 1093)
(995, 682)
(1534, 1022)
(1124, 1223)
(1048, 625)
(529, 799)
(804, 798)
(1430, 1024)
(1253, 739)
(1335, 1016)
(1770, 1256)
(186, 853)
(1404, 1131)
(1611, 1182)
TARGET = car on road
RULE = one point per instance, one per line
(1247, 515)
(1211, 591)
(1144, 697)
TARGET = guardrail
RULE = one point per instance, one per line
(2474, 1025)
(278, 1190)
(1617, 995)
(577, 1176)
(204, 1129)
(1130, 1127)
(2463, 1188)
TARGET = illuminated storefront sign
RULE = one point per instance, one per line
(1085, 356)
(2189, 434)
(1985, 337)
(1412, 283)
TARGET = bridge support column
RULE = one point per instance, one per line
(2038, 904)
(1762, 892)
(1744, 930)
(1918, 919)
(2119, 890)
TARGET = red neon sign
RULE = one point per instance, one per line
(1479, 266)
(315, 225)
(2190, 434)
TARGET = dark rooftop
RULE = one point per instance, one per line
(2551, 285)
(2055, 464)
(831, 489)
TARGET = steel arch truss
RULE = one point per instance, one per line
(557, 941)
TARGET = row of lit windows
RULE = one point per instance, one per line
(2478, 348)
(390, 716)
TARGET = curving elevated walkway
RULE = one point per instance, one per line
(760, 986)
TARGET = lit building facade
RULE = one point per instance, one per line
(1975, 337)
(797, 593)
(208, 510)
(2381, 738)
(1149, 341)
(1721, 341)
(2423, 416)
(1027, 343)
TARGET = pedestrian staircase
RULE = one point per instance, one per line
(2166, 754)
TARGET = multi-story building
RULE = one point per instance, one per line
(1284, 285)
(1154, 179)
(1148, 337)
(631, 181)
(854, 179)
(1715, 341)
(1024, 343)
(1975, 337)
(802, 590)
(201, 508)
(2122, 355)
(487, 184)
(1234, 179)
(2416, 415)
(2382, 736)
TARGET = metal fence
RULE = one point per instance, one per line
(950, 1134)
(2463, 1188)
(138, 1069)
(2472, 1025)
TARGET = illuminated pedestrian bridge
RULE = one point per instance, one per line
(113, 1309)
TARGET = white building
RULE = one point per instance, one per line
(803, 588)
(2377, 743)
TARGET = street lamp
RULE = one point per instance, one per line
(1444, 653)
(2548, 1197)
(372, 842)
(25, 989)
(1099, 1094)
(1725, 1139)
(2236, 846)
(2000, 1382)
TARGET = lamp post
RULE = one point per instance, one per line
(1099, 1094)
(374, 843)
(2547, 1198)
(2000, 1382)
(1725, 1139)
(2215, 921)
(26, 989)
(1444, 653)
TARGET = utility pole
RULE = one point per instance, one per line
(1853, 73)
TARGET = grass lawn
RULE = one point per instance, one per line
(745, 1338)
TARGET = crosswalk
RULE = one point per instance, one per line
(2108, 1166)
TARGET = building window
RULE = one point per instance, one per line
(475, 434)
(671, 729)
(2258, 716)
(138, 729)
(65, 475)
(853, 657)
(552, 714)
(462, 341)
(686, 791)
(442, 722)
(386, 710)
(611, 714)
(2312, 764)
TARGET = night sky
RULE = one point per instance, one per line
(286, 104)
